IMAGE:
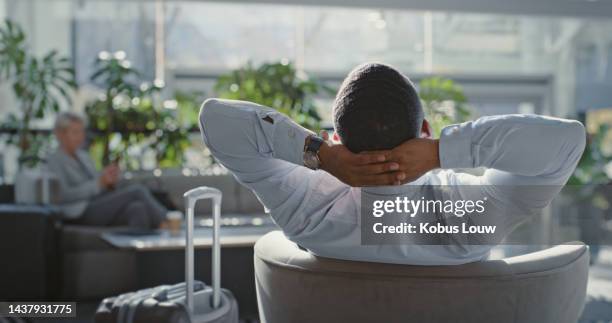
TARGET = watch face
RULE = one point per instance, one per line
(311, 160)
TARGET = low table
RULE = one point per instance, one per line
(236, 231)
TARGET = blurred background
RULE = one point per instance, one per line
(150, 64)
(138, 72)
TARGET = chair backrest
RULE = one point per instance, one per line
(35, 186)
(540, 287)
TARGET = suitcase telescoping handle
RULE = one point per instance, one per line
(191, 197)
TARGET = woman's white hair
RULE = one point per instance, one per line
(64, 119)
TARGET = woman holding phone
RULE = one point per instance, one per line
(91, 197)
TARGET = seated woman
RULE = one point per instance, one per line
(91, 197)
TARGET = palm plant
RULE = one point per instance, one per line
(128, 114)
(40, 84)
(587, 191)
(115, 75)
(592, 167)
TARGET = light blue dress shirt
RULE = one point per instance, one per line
(263, 149)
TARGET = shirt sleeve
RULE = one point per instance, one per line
(263, 149)
(528, 160)
(536, 149)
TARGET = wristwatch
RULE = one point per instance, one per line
(312, 144)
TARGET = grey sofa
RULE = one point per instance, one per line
(91, 267)
(48, 258)
(31, 261)
(548, 286)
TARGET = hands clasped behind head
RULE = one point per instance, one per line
(396, 166)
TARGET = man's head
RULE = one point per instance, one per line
(69, 130)
(376, 108)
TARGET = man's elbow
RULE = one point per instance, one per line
(207, 113)
(210, 118)
(576, 135)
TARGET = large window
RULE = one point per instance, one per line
(113, 26)
(505, 63)
(203, 36)
(168, 38)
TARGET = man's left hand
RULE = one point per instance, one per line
(416, 157)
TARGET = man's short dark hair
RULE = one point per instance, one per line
(376, 108)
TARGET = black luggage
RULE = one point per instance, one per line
(188, 302)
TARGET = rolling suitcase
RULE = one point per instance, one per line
(188, 302)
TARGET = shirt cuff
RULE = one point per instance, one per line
(456, 146)
(289, 141)
(285, 137)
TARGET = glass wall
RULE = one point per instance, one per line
(202, 37)
(198, 37)
(505, 63)
(113, 26)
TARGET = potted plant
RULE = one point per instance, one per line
(443, 102)
(585, 202)
(276, 85)
(130, 114)
(41, 85)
